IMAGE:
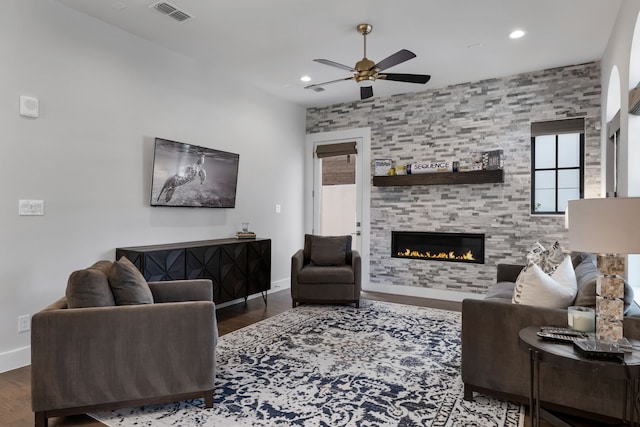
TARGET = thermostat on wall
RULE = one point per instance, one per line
(29, 106)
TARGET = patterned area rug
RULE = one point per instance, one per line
(384, 364)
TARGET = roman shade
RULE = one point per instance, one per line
(556, 127)
(333, 150)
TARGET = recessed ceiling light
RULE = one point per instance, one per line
(516, 34)
(305, 79)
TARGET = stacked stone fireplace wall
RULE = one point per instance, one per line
(449, 124)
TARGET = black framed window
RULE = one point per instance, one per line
(557, 165)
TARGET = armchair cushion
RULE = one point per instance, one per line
(89, 288)
(328, 250)
(331, 274)
(128, 284)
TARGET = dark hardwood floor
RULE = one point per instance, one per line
(15, 385)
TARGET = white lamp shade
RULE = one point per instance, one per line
(605, 226)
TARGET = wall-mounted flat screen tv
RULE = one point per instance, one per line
(193, 176)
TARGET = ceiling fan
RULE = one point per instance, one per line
(366, 71)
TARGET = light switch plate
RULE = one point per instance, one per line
(31, 207)
(29, 107)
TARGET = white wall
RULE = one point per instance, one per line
(104, 95)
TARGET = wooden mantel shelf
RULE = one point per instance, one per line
(441, 178)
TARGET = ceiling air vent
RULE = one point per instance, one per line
(171, 11)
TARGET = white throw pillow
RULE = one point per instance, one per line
(535, 287)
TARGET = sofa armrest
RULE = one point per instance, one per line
(297, 262)
(356, 263)
(508, 272)
(182, 290)
(491, 355)
(88, 356)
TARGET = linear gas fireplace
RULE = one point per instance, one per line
(454, 247)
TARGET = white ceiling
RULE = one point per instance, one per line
(271, 44)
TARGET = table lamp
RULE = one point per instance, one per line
(610, 228)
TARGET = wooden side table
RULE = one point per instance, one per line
(564, 356)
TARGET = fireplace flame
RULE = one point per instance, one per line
(468, 256)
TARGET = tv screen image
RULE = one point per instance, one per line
(193, 176)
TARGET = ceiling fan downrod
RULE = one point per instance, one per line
(364, 29)
(365, 67)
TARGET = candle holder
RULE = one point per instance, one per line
(582, 319)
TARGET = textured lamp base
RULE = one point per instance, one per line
(609, 303)
(608, 330)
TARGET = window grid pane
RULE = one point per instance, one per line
(545, 180)
(569, 178)
(564, 195)
(569, 150)
(545, 155)
(545, 200)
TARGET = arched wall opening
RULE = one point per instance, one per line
(613, 94)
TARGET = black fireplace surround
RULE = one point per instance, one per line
(451, 247)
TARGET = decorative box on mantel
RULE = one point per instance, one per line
(442, 178)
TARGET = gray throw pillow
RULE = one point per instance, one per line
(586, 275)
(128, 284)
(89, 288)
(329, 250)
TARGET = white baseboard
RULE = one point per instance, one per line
(281, 284)
(15, 359)
(414, 291)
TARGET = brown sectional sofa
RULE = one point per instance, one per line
(494, 364)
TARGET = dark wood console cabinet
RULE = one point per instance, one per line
(237, 268)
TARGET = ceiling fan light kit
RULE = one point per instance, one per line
(366, 71)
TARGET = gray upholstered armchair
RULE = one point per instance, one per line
(108, 356)
(326, 271)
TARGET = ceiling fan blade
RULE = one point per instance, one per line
(326, 83)
(366, 92)
(395, 59)
(334, 64)
(408, 78)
